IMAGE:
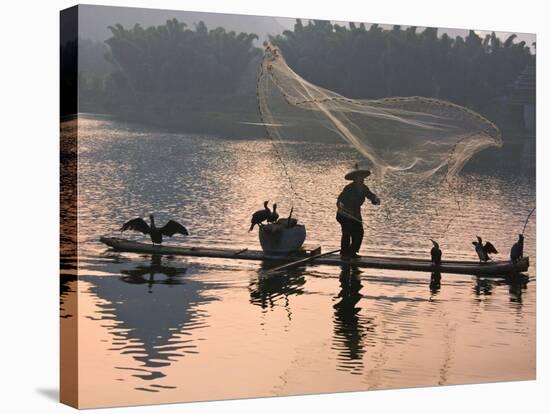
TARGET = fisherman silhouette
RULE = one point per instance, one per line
(349, 205)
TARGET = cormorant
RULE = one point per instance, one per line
(260, 216)
(156, 233)
(516, 252)
(274, 216)
(436, 253)
(483, 251)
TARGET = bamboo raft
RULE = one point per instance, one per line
(492, 268)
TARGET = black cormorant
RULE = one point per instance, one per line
(482, 250)
(260, 216)
(156, 233)
(436, 253)
(516, 252)
(274, 216)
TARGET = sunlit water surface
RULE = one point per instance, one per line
(182, 329)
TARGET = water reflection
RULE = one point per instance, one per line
(350, 328)
(67, 289)
(517, 284)
(483, 286)
(265, 291)
(68, 215)
(154, 326)
(435, 283)
(146, 274)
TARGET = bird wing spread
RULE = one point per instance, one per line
(137, 224)
(173, 227)
(489, 248)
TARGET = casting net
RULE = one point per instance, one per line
(412, 135)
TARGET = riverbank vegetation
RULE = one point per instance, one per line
(203, 80)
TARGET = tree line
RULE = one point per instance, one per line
(164, 74)
(173, 58)
(374, 63)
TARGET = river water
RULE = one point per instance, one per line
(185, 329)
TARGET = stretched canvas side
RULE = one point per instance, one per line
(68, 206)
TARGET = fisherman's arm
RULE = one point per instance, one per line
(372, 197)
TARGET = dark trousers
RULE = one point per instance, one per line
(352, 235)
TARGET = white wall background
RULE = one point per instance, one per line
(29, 203)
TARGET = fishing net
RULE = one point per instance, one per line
(399, 135)
(409, 138)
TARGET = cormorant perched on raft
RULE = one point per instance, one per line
(156, 233)
(436, 253)
(516, 252)
(483, 251)
(281, 223)
(274, 216)
(260, 216)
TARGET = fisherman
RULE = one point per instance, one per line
(348, 215)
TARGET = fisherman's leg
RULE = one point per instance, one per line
(345, 241)
(356, 237)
